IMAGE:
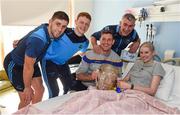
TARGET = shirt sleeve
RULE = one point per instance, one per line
(34, 47)
(158, 70)
(83, 67)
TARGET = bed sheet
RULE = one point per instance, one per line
(52, 103)
(101, 102)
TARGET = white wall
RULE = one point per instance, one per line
(1, 44)
(30, 12)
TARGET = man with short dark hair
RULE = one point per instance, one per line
(91, 61)
(21, 63)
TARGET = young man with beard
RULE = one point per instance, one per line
(21, 63)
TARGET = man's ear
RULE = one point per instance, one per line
(75, 21)
(50, 20)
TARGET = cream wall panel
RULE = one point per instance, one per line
(1, 43)
(30, 12)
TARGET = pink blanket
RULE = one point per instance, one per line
(107, 102)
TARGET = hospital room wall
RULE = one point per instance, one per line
(166, 38)
(110, 12)
(1, 42)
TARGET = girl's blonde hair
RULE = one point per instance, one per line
(149, 45)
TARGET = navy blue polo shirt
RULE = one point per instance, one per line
(34, 45)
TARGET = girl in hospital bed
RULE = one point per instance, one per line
(146, 74)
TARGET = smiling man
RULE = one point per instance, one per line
(86, 73)
(21, 63)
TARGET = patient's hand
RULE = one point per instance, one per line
(123, 85)
(15, 43)
(97, 49)
(126, 78)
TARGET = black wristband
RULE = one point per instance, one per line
(132, 86)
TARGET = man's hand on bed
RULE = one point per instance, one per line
(94, 75)
(27, 95)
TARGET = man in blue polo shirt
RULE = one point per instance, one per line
(21, 63)
(54, 64)
(124, 34)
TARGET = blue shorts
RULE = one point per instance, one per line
(15, 73)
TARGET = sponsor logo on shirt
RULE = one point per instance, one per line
(80, 46)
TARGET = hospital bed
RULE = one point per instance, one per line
(166, 100)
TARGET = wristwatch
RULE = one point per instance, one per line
(132, 86)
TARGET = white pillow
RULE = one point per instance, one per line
(165, 88)
(174, 99)
(176, 87)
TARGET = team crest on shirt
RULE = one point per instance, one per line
(80, 46)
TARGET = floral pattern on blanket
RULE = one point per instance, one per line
(108, 102)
